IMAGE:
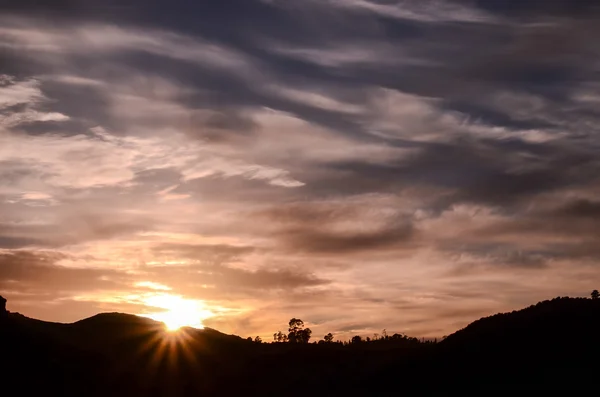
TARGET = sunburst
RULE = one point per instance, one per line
(178, 312)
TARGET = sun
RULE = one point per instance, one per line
(177, 311)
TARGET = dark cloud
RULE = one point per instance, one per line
(38, 271)
(536, 8)
(577, 219)
(313, 240)
(320, 228)
(223, 282)
(75, 230)
(30, 5)
(86, 104)
(213, 271)
(497, 256)
(215, 254)
(493, 172)
(270, 279)
(583, 208)
(532, 238)
(17, 242)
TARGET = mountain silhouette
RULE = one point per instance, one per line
(548, 345)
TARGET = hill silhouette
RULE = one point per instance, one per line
(538, 349)
(554, 343)
(536, 326)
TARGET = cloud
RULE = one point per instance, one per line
(345, 55)
(18, 99)
(107, 38)
(16, 93)
(426, 11)
(314, 99)
(98, 158)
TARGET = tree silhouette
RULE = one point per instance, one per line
(595, 294)
(356, 339)
(328, 338)
(297, 333)
(258, 339)
(280, 337)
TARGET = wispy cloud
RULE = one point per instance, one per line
(423, 11)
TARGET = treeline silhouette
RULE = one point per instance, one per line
(538, 350)
(297, 333)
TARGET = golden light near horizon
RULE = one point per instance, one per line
(179, 312)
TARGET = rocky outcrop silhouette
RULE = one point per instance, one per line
(3, 311)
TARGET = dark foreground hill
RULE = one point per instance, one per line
(550, 347)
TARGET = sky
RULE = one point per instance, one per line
(358, 164)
